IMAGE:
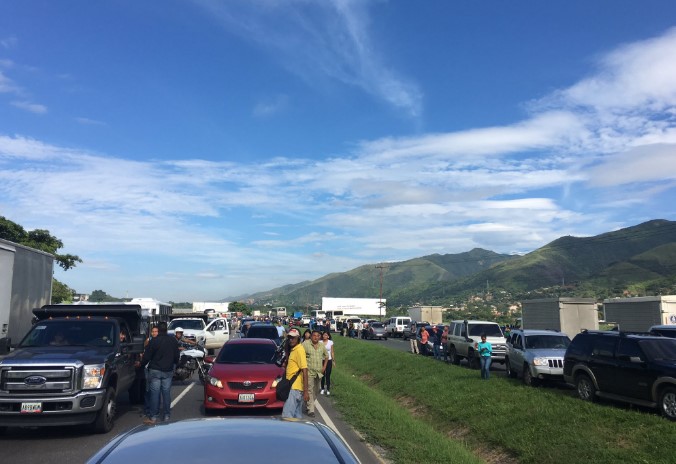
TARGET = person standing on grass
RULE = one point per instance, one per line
(436, 342)
(296, 362)
(485, 349)
(317, 359)
(326, 380)
(444, 343)
(413, 339)
(424, 336)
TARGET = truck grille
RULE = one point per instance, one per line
(558, 363)
(31, 380)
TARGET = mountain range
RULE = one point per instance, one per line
(603, 265)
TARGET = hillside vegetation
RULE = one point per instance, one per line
(636, 260)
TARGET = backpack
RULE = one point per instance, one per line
(284, 386)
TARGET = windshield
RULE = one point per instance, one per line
(660, 350)
(490, 330)
(70, 333)
(247, 354)
(547, 342)
(190, 324)
(263, 331)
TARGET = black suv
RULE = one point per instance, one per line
(633, 368)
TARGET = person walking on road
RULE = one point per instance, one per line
(317, 358)
(296, 361)
(485, 350)
(154, 332)
(414, 340)
(326, 380)
(161, 356)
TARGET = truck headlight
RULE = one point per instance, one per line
(540, 362)
(215, 382)
(93, 376)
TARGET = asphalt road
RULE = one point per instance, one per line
(76, 444)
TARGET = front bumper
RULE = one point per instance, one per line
(80, 408)
(218, 399)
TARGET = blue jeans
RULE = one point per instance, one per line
(146, 398)
(293, 406)
(437, 351)
(160, 384)
(485, 367)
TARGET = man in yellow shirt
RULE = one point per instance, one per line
(296, 361)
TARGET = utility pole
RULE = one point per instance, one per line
(380, 302)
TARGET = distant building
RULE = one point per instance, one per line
(219, 307)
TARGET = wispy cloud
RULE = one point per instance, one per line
(30, 107)
(9, 42)
(503, 188)
(329, 38)
(270, 107)
(90, 122)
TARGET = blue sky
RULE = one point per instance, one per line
(195, 150)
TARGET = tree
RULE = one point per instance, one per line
(61, 293)
(99, 296)
(238, 307)
(40, 239)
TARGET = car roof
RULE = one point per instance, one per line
(249, 341)
(537, 332)
(663, 327)
(241, 437)
(476, 322)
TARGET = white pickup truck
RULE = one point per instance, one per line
(214, 333)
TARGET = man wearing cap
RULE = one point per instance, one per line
(296, 361)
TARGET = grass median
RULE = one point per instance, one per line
(409, 405)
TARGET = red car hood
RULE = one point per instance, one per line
(253, 372)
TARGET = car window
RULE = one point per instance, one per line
(262, 331)
(491, 330)
(457, 330)
(628, 349)
(247, 354)
(604, 347)
(377, 325)
(517, 341)
(671, 333)
(547, 342)
(664, 350)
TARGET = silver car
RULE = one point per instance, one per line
(536, 355)
(234, 440)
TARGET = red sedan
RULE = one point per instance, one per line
(243, 376)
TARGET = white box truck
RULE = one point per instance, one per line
(25, 283)
(567, 315)
(431, 314)
(640, 313)
(337, 308)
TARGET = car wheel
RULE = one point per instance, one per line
(528, 378)
(668, 403)
(385, 338)
(453, 356)
(585, 388)
(508, 369)
(105, 419)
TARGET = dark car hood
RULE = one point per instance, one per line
(59, 354)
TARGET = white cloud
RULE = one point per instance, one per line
(90, 122)
(7, 85)
(9, 42)
(329, 38)
(30, 107)
(268, 108)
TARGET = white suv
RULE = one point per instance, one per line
(462, 335)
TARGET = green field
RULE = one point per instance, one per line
(421, 410)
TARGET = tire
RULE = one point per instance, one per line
(668, 403)
(585, 388)
(511, 373)
(528, 379)
(105, 419)
(453, 357)
(385, 338)
(201, 374)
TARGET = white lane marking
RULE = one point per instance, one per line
(330, 423)
(182, 394)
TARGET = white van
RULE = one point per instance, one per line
(395, 325)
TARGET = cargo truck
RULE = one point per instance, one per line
(567, 315)
(641, 313)
(25, 283)
(431, 314)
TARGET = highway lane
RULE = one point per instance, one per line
(75, 444)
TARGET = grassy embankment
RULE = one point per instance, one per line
(421, 410)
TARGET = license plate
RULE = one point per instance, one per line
(246, 397)
(31, 408)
